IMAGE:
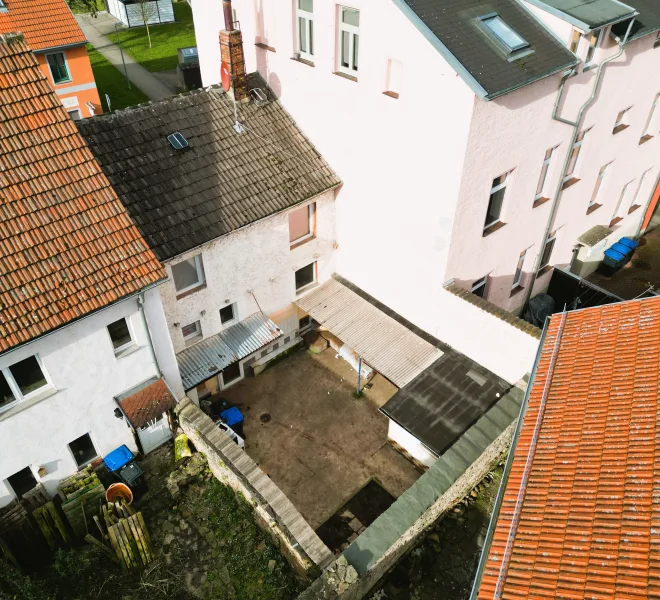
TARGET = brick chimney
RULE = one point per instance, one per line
(231, 52)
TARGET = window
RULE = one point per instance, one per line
(547, 251)
(593, 202)
(575, 155)
(349, 40)
(120, 335)
(21, 380)
(517, 277)
(192, 333)
(188, 274)
(575, 41)
(496, 200)
(231, 373)
(75, 114)
(623, 204)
(637, 199)
(305, 14)
(304, 323)
(540, 188)
(503, 33)
(305, 276)
(83, 450)
(479, 287)
(58, 68)
(178, 141)
(228, 314)
(393, 85)
(594, 42)
(22, 482)
(651, 126)
(621, 121)
(301, 223)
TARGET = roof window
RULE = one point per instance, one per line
(503, 33)
(176, 140)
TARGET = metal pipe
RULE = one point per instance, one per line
(140, 302)
(228, 15)
(359, 371)
(576, 131)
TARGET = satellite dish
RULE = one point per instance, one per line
(225, 76)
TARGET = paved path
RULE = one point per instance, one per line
(96, 31)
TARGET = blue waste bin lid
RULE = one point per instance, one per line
(613, 254)
(626, 241)
(623, 249)
(118, 458)
(231, 416)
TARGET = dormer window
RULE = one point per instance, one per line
(503, 33)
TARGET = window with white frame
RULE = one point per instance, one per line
(479, 287)
(301, 224)
(575, 41)
(192, 333)
(595, 195)
(228, 314)
(349, 40)
(22, 482)
(541, 187)
(83, 450)
(188, 274)
(305, 276)
(621, 122)
(651, 127)
(120, 334)
(517, 276)
(58, 67)
(75, 114)
(623, 204)
(496, 200)
(639, 192)
(21, 380)
(575, 155)
(504, 33)
(593, 39)
(547, 250)
(305, 25)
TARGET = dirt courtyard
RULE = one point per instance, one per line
(317, 442)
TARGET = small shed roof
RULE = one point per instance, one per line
(146, 401)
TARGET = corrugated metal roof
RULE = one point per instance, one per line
(387, 345)
(208, 357)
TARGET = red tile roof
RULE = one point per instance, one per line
(148, 403)
(589, 526)
(67, 245)
(44, 23)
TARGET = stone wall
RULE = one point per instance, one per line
(272, 509)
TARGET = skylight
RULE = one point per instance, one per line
(504, 34)
(177, 141)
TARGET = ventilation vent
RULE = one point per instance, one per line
(177, 141)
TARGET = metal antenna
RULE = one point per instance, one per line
(238, 128)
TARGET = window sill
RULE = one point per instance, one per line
(304, 61)
(62, 82)
(189, 292)
(644, 139)
(299, 243)
(265, 47)
(613, 222)
(633, 208)
(539, 201)
(593, 208)
(394, 95)
(304, 289)
(192, 341)
(619, 128)
(346, 76)
(21, 405)
(493, 228)
(127, 351)
(543, 271)
(569, 182)
(516, 290)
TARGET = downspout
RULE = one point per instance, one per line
(140, 301)
(576, 130)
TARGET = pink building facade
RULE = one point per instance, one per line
(442, 140)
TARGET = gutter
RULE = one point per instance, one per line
(576, 130)
(63, 47)
(485, 551)
(140, 303)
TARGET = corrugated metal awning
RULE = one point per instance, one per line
(208, 357)
(387, 345)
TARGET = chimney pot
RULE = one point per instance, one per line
(228, 14)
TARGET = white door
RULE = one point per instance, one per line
(155, 434)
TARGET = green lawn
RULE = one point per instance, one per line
(112, 82)
(83, 6)
(165, 39)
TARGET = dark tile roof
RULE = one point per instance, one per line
(224, 181)
(587, 14)
(646, 22)
(445, 400)
(146, 402)
(453, 26)
(67, 245)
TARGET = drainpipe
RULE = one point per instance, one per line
(140, 302)
(576, 130)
